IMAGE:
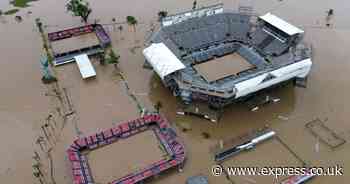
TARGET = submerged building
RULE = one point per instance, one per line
(220, 57)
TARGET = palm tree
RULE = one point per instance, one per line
(113, 59)
(162, 14)
(131, 21)
(113, 23)
(79, 8)
(120, 28)
(194, 5)
(158, 106)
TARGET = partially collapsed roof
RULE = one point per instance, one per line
(163, 61)
(281, 24)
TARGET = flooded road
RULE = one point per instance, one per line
(102, 102)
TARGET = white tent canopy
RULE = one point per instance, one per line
(85, 67)
(281, 24)
(163, 61)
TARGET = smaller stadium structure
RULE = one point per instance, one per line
(221, 57)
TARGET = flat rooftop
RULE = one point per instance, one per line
(74, 43)
(222, 67)
(125, 156)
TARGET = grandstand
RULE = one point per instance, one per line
(222, 57)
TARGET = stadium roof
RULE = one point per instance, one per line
(163, 61)
(281, 24)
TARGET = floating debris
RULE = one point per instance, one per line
(18, 18)
(317, 146)
(284, 118)
(205, 135)
(184, 126)
(247, 145)
(254, 109)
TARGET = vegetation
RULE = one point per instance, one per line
(162, 14)
(131, 20)
(101, 58)
(79, 8)
(194, 5)
(158, 106)
(112, 58)
(10, 12)
(206, 135)
(39, 24)
(120, 28)
(21, 3)
(0, 12)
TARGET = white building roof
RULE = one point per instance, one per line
(163, 61)
(85, 67)
(281, 24)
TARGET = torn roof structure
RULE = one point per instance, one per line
(164, 62)
(281, 24)
(186, 52)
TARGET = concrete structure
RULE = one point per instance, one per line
(168, 140)
(68, 43)
(227, 56)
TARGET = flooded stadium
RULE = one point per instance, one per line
(38, 122)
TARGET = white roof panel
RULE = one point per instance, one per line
(163, 61)
(85, 67)
(281, 24)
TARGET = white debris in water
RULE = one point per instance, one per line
(221, 143)
(317, 146)
(254, 109)
(276, 100)
(283, 117)
(180, 113)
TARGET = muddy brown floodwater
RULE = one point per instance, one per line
(104, 101)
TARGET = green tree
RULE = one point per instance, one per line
(39, 24)
(1, 12)
(194, 5)
(162, 14)
(120, 28)
(158, 106)
(114, 21)
(113, 59)
(131, 21)
(79, 8)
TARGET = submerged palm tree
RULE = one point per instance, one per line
(120, 28)
(162, 14)
(114, 20)
(158, 106)
(194, 5)
(131, 21)
(113, 59)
